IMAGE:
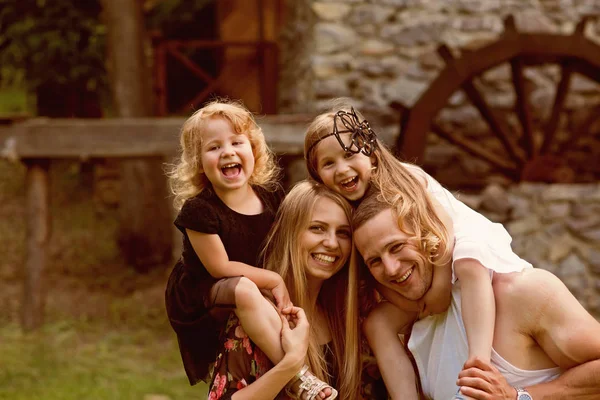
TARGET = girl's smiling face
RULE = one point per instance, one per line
(345, 173)
(227, 157)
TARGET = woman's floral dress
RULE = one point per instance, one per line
(240, 362)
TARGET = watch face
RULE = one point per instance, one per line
(524, 396)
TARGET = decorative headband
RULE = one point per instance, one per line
(362, 138)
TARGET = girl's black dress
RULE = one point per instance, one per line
(189, 283)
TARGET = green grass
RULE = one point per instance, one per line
(106, 335)
(70, 360)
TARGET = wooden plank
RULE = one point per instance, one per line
(38, 236)
(127, 138)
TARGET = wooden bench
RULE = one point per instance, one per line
(36, 142)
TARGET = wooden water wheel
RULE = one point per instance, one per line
(532, 153)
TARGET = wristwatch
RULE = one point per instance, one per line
(523, 394)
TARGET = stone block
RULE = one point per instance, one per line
(585, 210)
(520, 206)
(331, 65)
(478, 23)
(535, 22)
(565, 192)
(495, 198)
(404, 90)
(560, 248)
(401, 3)
(330, 38)
(593, 235)
(370, 14)
(499, 73)
(473, 6)
(579, 225)
(594, 259)
(375, 47)
(573, 272)
(554, 211)
(431, 60)
(331, 88)
(457, 99)
(524, 226)
(327, 11)
(424, 33)
(416, 71)
(583, 84)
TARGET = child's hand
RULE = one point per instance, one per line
(281, 296)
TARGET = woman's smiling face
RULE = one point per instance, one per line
(327, 241)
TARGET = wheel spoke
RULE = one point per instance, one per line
(559, 101)
(522, 106)
(562, 90)
(477, 151)
(485, 111)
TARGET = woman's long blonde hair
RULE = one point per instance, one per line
(395, 184)
(338, 296)
(186, 178)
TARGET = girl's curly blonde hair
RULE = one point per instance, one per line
(185, 177)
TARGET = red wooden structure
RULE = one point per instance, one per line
(266, 58)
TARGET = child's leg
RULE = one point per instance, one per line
(257, 315)
(381, 328)
(478, 306)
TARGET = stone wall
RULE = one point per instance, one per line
(380, 51)
(555, 227)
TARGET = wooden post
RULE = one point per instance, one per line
(38, 234)
(144, 206)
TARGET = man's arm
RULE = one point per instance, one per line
(570, 336)
(564, 330)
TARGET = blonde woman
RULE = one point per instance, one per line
(310, 246)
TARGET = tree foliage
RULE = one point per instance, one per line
(169, 15)
(52, 41)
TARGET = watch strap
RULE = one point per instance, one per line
(523, 394)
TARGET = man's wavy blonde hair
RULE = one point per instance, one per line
(338, 297)
(392, 181)
(185, 177)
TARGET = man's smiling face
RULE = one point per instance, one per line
(392, 257)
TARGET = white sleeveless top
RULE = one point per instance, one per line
(475, 236)
(439, 346)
